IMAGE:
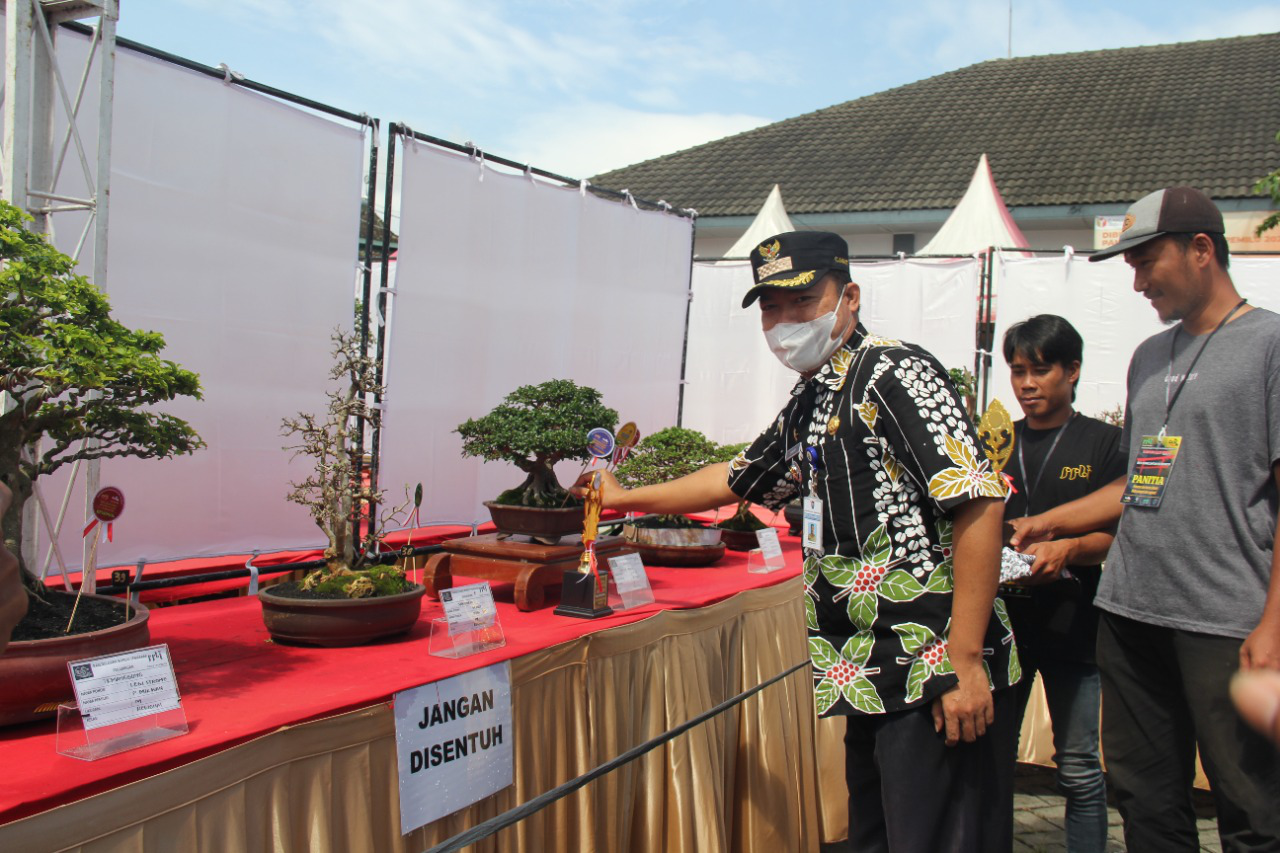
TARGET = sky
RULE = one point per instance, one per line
(579, 87)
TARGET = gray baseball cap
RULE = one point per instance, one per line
(1176, 210)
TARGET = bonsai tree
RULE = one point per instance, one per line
(74, 377)
(670, 453)
(743, 518)
(533, 428)
(334, 494)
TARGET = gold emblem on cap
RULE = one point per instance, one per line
(1128, 223)
(833, 425)
(769, 251)
(801, 280)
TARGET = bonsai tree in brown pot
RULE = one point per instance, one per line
(354, 598)
(533, 428)
(78, 386)
(672, 540)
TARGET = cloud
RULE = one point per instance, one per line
(592, 138)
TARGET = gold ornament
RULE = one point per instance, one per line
(833, 425)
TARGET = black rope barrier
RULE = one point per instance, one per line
(519, 813)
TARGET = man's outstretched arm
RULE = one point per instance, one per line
(701, 490)
(1098, 510)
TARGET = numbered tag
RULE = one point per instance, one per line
(468, 607)
(1151, 470)
(812, 523)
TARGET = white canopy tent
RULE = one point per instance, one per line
(981, 220)
(772, 219)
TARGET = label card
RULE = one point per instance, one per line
(117, 688)
(468, 607)
(631, 581)
(770, 548)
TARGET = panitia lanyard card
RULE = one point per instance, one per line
(1151, 470)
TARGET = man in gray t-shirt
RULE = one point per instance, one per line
(1186, 593)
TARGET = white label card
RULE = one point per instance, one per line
(117, 688)
(770, 547)
(468, 607)
(628, 573)
(813, 523)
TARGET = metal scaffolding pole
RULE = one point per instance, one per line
(33, 89)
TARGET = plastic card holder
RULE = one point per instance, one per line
(90, 744)
(463, 643)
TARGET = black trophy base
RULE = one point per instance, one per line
(583, 597)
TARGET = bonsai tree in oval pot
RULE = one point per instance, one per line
(79, 386)
(533, 428)
(354, 598)
(672, 540)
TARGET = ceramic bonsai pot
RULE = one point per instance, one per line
(333, 622)
(33, 673)
(546, 525)
(738, 540)
(675, 546)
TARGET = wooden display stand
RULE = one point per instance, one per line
(517, 559)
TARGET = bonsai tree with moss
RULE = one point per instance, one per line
(78, 385)
(667, 454)
(335, 493)
(533, 428)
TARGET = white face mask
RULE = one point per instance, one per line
(805, 347)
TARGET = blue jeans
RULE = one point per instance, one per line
(1072, 691)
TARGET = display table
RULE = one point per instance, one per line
(293, 748)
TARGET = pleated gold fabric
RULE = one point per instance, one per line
(745, 781)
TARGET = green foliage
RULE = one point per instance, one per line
(670, 453)
(1113, 415)
(374, 581)
(1269, 185)
(535, 427)
(73, 372)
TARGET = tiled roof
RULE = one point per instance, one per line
(1104, 126)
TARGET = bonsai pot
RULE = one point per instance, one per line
(738, 540)
(33, 673)
(675, 546)
(545, 524)
(333, 622)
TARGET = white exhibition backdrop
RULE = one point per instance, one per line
(1099, 300)
(735, 384)
(503, 280)
(233, 231)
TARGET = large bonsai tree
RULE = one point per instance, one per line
(335, 494)
(533, 428)
(74, 377)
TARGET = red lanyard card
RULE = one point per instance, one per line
(1151, 470)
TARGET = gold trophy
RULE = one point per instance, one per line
(585, 593)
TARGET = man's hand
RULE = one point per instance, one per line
(13, 597)
(610, 490)
(1261, 649)
(1028, 531)
(1051, 559)
(1257, 697)
(966, 709)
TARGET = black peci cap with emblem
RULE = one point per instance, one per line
(796, 260)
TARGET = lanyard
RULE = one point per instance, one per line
(1044, 463)
(1169, 401)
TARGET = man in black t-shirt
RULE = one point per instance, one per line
(1060, 455)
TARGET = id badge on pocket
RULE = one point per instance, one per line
(1151, 470)
(813, 522)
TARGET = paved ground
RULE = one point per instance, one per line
(1037, 817)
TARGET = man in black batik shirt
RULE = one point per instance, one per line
(902, 536)
(1060, 455)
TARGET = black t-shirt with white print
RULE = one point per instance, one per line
(1058, 620)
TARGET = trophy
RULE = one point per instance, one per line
(584, 593)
